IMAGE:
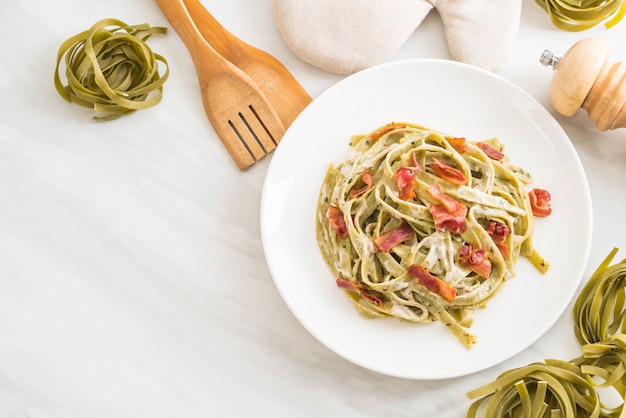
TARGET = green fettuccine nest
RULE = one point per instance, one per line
(579, 15)
(111, 69)
(556, 388)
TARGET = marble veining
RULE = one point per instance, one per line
(132, 276)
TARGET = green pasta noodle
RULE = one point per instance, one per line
(552, 389)
(604, 364)
(599, 310)
(456, 201)
(111, 69)
(570, 389)
(580, 15)
(556, 388)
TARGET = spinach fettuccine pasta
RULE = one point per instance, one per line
(111, 69)
(579, 387)
(580, 15)
(422, 226)
(600, 309)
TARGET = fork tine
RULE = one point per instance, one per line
(263, 134)
(250, 134)
(247, 137)
(242, 117)
(258, 133)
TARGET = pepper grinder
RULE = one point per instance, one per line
(585, 78)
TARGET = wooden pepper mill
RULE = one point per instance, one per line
(585, 78)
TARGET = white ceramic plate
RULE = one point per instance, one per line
(459, 100)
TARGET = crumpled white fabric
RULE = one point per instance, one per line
(346, 36)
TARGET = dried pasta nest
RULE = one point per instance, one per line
(111, 69)
(579, 15)
(557, 388)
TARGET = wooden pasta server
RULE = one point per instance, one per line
(249, 97)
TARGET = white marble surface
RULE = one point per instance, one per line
(132, 277)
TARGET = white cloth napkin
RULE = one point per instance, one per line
(345, 36)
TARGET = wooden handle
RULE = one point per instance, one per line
(202, 53)
(220, 38)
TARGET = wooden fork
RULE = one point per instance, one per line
(280, 87)
(240, 113)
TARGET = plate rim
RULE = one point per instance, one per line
(588, 210)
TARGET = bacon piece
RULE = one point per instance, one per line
(491, 152)
(368, 181)
(387, 128)
(390, 239)
(437, 193)
(449, 214)
(449, 221)
(405, 178)
(540, 202)
(477, 259)
(458, 143)
(498, 233)
(335, 216)
(348, 285)
(371, 298)
(448, 173)
(432, 283)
